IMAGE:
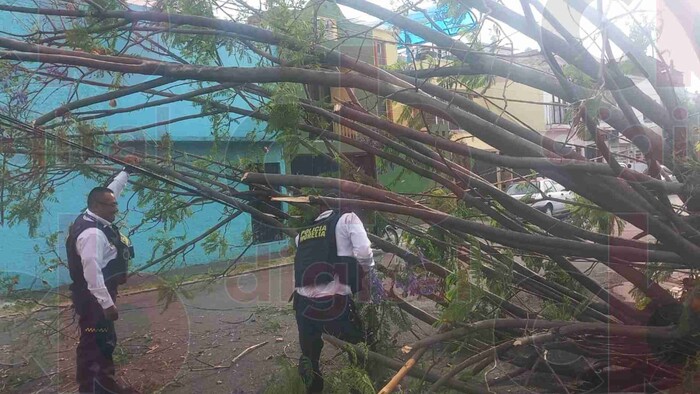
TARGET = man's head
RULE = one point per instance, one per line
(101, 202)
(323, 206)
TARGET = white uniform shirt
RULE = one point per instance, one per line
(351, 240)
(96, 251)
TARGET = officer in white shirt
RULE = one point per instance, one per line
(98, 257)
(333, 259)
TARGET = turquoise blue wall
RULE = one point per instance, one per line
(18, 248)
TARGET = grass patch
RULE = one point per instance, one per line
(121, 356)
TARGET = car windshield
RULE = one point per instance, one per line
(522, 188)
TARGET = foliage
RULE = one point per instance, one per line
(349, 379)
(462, 296)
(216, 242)
(166, 148)
(431, 245)
(455, 9)
(287, 17)
(166, 209)
(285, 115)
(502, 284)
(286, 380)
(655, 273)
(382, 319)
(121, 355)
(170, 289)
(164, 242)
(14, 97)
(588, 216)
(32, 195)
(24, 183)
(550, 270)
(34, 168)
(49, 258)
(82, 39)
(641, 33)
(558, 310)
(578, 77)
(284, 109)
(247, 235)
(197, 48)
(7, 284)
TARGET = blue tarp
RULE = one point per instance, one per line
(440, 21)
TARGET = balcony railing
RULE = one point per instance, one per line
(344, 131)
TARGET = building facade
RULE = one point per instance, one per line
(29, 258)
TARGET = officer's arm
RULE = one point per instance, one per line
(361, 245)
(117, 185)
(362, 251)
(119, 182)
(90, 246)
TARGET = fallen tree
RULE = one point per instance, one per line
(481, 248)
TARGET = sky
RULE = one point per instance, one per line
(672, 40)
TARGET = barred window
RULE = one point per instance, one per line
(556, 114)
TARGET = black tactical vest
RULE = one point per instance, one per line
(114, 272)
(317, 260)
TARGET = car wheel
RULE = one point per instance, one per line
(549, 210)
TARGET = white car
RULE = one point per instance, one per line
(666, 173)
(544, 194)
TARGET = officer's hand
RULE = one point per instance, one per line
(111, 313)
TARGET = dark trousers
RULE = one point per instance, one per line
(98, 339)
(335, 316)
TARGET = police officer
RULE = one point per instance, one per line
(333, 258)
(98, 256)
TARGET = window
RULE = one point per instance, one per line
(450, 125)
(262, 232)
(328, 28)
(547, 187)
(379, 54)
(517, 189)
(320, 93)
(556, 114)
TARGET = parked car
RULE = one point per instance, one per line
(540, 192)
(666, 173)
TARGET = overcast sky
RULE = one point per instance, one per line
(672, 41)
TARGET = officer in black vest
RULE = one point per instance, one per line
(333, 258)
(98, 257)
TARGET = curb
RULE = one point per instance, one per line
(148, 290)
(191, 282)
